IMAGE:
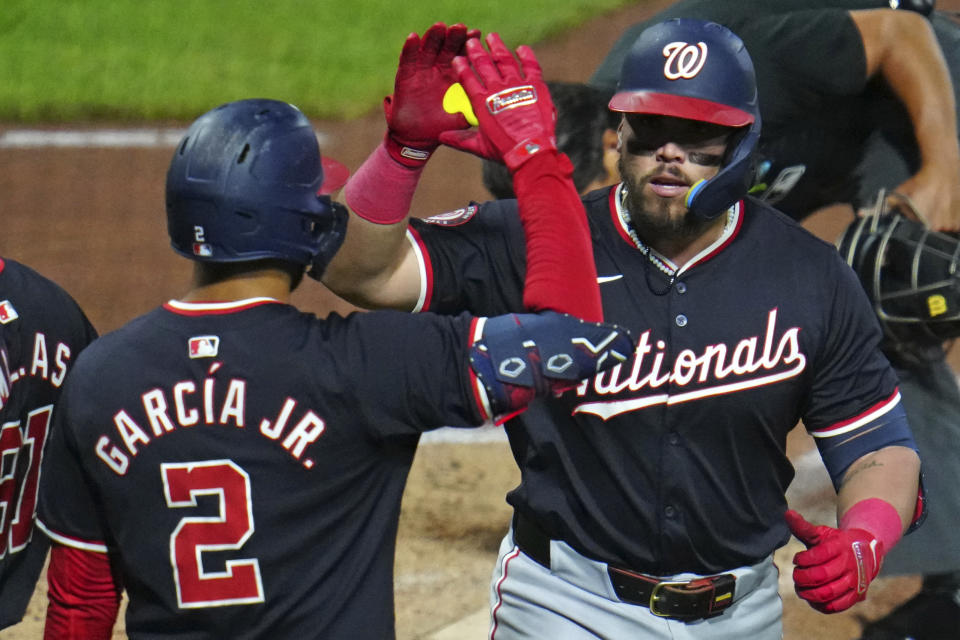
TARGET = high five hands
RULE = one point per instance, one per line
(446, 81)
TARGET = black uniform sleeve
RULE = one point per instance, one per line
(407, 373)
(477, 264)
(67, 509)
(851, 373)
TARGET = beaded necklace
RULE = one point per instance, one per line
(656, 261)
(645, 250)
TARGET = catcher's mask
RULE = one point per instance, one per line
(247, 182)
(698, 70)
(910, 274)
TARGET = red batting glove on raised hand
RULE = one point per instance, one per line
(414, 112)
(834, 572)
(511, 102)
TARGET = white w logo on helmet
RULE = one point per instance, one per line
(684, 60)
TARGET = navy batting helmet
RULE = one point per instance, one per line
(247, 182)
(686, 68)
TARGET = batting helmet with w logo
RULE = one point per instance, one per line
(697, 70)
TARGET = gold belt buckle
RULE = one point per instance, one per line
(654, 595)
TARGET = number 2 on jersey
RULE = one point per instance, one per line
(239, 582)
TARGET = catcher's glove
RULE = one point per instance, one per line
(910, 274)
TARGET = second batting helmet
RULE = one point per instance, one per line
(697, 70)
(247, 182)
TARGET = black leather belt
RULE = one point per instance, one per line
(686, 600)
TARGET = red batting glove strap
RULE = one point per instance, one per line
(408, 156)
(381, 190)
(561, 273)
(835, 571)
(526, 150)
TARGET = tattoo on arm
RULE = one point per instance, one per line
(869, 464)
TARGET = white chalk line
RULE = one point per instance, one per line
(95, 138)
(142, 138)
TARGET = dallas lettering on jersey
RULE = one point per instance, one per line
(718, 370)
(184, 405)
(40, 366)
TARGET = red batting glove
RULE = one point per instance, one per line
(834, 572)
(516, 115)
(414, 112)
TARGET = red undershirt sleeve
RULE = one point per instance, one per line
(561, 273)
(84, 597)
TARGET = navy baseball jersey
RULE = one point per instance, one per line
(44, 331)
(676, 460)
(245, 462)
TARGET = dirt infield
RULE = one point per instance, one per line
(92, 219)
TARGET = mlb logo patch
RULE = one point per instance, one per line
(7, 312)
(202, 249)
(204, 346)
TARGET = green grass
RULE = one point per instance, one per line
(68, 60)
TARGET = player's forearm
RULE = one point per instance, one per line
(891, 474)
(374, 267)
(83, 597)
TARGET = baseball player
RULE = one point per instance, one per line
(44, 331)
(237, 465)
(651, 502)
(856, 97)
